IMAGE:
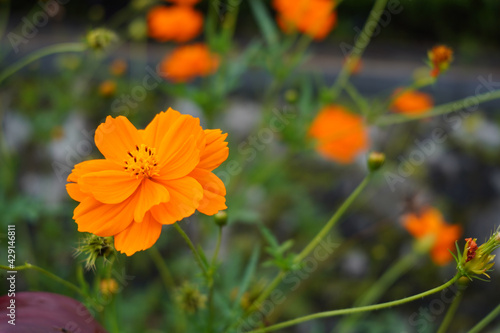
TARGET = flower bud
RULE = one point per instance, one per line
(94, 247)
(440, 58)
(221, 218)
(190, 299)
(291, 96)
(101, 38)
(375, 161)
(108, 286)
(476, 261)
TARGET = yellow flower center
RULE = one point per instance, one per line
(142, 162)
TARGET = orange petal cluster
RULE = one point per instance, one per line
(189, 61)
(440, 57)
(430, 222)
(412, 102)
(313, 17)
(175, 23)
(340, 134)
(148, 178)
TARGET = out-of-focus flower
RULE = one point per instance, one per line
(340, 134)
(175, 23)
(138, 29)
(440, 58)
(354, 64)
(190, 298)
(313, 17)
(148, 178)
(118, 67)
(184, 2)
(189, 61)
(107, 88)
(101, 39)
(476, 261)
(411, 102)
(108, 286)
(430, 227)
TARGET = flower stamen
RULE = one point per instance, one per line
(142, 162)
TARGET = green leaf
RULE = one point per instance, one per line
(265, 22)
(248, 275)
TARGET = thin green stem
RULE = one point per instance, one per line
(359, 47)
(333, 220)
(49, 274)
(314, 242)
(440, 110)
(191, 246)
(355, 310)
(359, 99)
(4, 16)
(373, 294)
(165, 274)
(486, 320)
(452, 310)
(53, 49)
(213, 268)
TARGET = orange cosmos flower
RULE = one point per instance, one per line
(176, 23)
(185, 2)
(340, 135)
(440, 57)
(148, 178)
(187, 62)
(430, 222)
(412, 102)
(313, 17)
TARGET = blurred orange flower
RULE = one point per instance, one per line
(430, 223)
(176, 23)
(118, 67)
(440, 57)
(313, 17)
(107, 88)
(187, 62)
(185, 2)
(412, 102)
(340, 134)
(148, 178)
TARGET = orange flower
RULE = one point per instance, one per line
(431, 223)
(185, 2)
(187, 62)
(118, 67)
(107, 88)
(340, 134)
(176, 23)
(313, 17)
(412, 102)
(148, 178)
(440, 57)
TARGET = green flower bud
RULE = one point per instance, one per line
(375, 161)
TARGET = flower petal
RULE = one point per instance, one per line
(85, 167)
(214, 192)
(116, 137)
(179, 151)
(159, 126)
(216, 150)
(109, 186)
(75, 193)
(104, 219)
(149, 195)
(138, 236)
(185, 196)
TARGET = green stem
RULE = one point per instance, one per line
(49, 274)
(452, 310)
(313, 244)
(439, 110)
(213, 265)
(53, 49)
(165, 274)
(356, 310)
(486, 320)
(193, 249)
(359, 99)
(379, 287)
(333, 220)
(359, 47)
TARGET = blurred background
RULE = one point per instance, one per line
(49, 110)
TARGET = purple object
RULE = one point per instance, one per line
(41, 312)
